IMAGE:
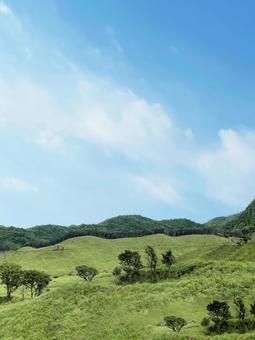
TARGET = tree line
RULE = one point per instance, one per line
(220, 320)
(131, 268)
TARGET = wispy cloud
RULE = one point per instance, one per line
(110, 33)
(229, 168)
(16, 184)
(160, 190)
(4, 9)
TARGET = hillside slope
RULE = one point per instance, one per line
(72, 309)
(102, 253)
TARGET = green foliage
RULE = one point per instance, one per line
(168, 259)
(252, 310)
(116, 271)
(35, 281)
(205, 322)
(240, 308)
(85, 272)
(11, 276)
(218, 311)
(152, 260)
(130, 261)
(175, 323)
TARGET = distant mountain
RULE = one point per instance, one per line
(245, 219)
(221, 221)
(126, 226)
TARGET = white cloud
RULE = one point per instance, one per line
(4, 9)
(96, 111)
(160, 190)
(120, 120)
(16, 184)
(229, 168)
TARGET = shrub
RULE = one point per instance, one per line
(85, 272)
(175, 323)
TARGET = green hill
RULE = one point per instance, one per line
(72, 309)
(126, 226)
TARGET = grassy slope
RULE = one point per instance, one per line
(103, 253)
(72, 309)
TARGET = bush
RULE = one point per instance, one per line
(174, 322)
(85, 272)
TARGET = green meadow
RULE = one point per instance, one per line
(73, 309)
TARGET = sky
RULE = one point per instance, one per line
(112, 107)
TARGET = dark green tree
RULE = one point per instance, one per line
(85, 272)
(240, 308)
(151, 258)
(218, 311)
(168, 259)
(36, 281)
(11, 276)
(175, 323)
(130, 261)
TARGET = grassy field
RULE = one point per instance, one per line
(72, 309)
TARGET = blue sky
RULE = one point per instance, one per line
(131, 107)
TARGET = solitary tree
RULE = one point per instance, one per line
(11, 276)
(130, 261)
(168, 259)
(218, 311)
(152, 259)
(240, 308)
(36, 281)
(85, 272)
(175, 323)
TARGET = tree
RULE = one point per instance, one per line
(252, 310)
(243, 237)
(11, 276)
(175, 323)
(85, 272)
(130, 261)
(151, 258)
(35, 281)
(168, 259)
(218, 311)
(240, 308)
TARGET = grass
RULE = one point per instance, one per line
(102, 253)
(72, 309)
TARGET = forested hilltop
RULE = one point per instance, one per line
(127, 226)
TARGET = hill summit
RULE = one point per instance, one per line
(126, 226)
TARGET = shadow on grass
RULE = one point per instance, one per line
(3, 299)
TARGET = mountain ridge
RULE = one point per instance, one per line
(126, 226)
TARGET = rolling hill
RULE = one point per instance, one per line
(73, 309)
(126, 226)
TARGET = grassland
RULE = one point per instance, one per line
(72, 309)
